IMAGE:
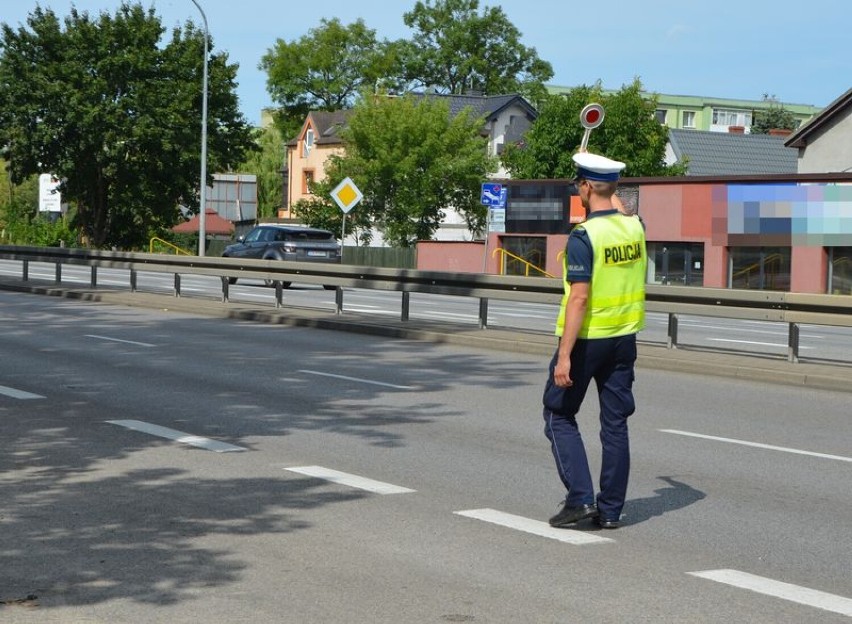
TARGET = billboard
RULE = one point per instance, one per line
(49, 197)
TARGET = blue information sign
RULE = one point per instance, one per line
(493, 195)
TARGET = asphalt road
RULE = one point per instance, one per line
(317, 476)
(817, 343)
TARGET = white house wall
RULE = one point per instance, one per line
(831, 150)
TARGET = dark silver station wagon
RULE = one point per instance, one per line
(283, 242)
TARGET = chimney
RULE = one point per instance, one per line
(780, 132)
(736, 129)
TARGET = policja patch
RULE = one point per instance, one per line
(622, 254)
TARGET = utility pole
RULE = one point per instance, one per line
(202, 230)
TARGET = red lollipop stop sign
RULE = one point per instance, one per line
(591, 117)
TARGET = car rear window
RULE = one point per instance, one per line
(311, 235)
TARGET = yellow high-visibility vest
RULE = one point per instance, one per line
(616, 304)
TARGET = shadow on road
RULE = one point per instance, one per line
(91, 513)
(676, 496)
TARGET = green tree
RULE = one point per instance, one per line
(413, 161)
(266, 163)
(20, 221)
(629, 133)
(107, 107)
(18, 207)
(455, 47)
(775, 117)
(323, 70)
(322, 212)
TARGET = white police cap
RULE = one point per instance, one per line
(599, 168)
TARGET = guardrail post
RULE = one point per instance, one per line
(58, 272)
(25, 271)
(338, 300)
(93, 280)
(132, 280)
(279, 293)
(225, 285)
(793, 343)
(672, 339)
(177, 284)
(483, 313)
(406, 305)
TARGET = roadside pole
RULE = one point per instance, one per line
(346, 195)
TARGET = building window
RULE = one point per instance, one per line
(677, 264)
(688, 119)
(725, 117)
(840, 270)
(528, 255)
(660, 115)
(308, 143)
(760, 268)
(307, 181)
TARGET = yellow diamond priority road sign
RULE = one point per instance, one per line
(346, 195)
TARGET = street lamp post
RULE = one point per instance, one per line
(202, 232)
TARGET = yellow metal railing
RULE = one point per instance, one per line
(170, 248)
(769, 263)
(527, 264)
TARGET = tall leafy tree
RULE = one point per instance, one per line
(109, 108)
(456, 47)
(629, 133)
(413, 161)
(321, 212)
(18, 204)
(266, 163)
(324, 70)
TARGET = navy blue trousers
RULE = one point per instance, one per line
(610, 362)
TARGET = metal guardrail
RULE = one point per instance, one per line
(791, 308)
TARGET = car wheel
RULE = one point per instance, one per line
(270, 282)
(329, 287)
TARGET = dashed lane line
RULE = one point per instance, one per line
(178, 436)
(357, 379)
(754, 342)
(535, 527)
(19, 394)
(759, 445)
(350, 480)
(131, 342)
(777, 589)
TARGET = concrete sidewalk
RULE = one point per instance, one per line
(763, 368)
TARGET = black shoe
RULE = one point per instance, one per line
(607, 524)
(570, 515)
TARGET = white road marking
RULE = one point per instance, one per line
(343, 478)
(777, 589)
(133, 342)
(541, 317)
(780, 332)
(753, 342)
(758, 445)
(19, 394)
(365, 309)
(366, 381)
(178, 436)
(535, 527)
(363, 306)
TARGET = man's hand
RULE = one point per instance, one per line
(562, 372)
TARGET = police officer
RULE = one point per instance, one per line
(603, 307)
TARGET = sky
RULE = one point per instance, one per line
(738, 50)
